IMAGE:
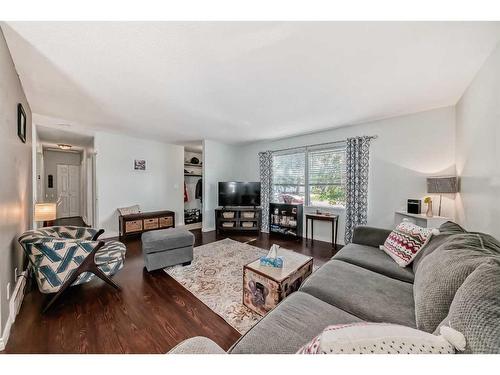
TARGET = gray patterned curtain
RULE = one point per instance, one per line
(357, 163)
(266, 178)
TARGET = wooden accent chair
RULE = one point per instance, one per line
(63, 256)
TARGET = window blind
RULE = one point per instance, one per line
(289, 174)
(327, 166)
(313, 175)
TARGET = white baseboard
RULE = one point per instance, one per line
(15, 303)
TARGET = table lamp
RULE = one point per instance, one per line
(442, 185)
(45, 212)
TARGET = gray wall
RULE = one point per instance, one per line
(15, 181)
(50, 161)
(478, 150)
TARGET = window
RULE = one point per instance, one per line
(289, 180)
(312, 175)
(327, 176)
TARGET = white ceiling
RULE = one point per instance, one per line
(52, 136)
(243, 81)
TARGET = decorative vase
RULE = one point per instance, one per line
(429, 212)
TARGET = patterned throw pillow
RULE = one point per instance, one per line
(382, 338)
(404, 242)
(135, 209)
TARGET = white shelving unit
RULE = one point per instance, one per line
(192, 174)
(421, 220)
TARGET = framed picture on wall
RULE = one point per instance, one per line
(140, 165)
(21, 123)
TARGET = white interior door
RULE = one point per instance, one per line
(68, 190)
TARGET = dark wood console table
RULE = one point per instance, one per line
(144, 221)
(334, 219)
(238, 219)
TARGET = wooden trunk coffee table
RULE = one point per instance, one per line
(264, 287)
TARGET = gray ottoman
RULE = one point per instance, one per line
(167, 247)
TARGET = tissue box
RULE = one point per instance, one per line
(272, 262)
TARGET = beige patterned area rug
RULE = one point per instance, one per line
(215, 277)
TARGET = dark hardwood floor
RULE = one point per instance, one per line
(150, 314)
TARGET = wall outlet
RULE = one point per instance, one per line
(8, 291)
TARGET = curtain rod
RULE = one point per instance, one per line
(321, 144)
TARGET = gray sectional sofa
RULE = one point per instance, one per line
(362, 283)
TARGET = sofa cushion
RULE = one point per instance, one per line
(197, 345)
(370, 236)
(375, 260)
(475, 310)
(405, 241)
(445, 231)
(382, 338)
(442, 272)
(297, 319)
(363, 293)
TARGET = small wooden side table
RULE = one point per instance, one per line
(264, 287)
(334, 219)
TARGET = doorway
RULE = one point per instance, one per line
(68, 190)
(65, 173)
(63, 180)
(193, 185)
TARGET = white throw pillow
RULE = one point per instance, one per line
(135, 209)
(383, 338)
(404, 242)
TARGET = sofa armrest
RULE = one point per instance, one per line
(197, 345)
(370, 236)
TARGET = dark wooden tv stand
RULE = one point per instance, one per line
(248, 219)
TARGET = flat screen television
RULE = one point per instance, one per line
(239, 194)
